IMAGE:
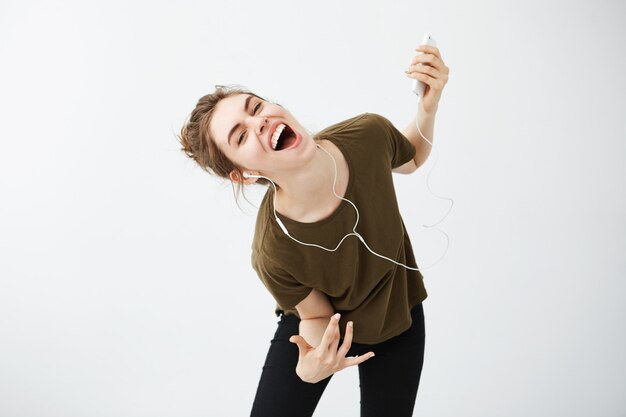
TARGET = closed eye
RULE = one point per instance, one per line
(257, 106)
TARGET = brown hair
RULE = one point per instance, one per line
(198, 143)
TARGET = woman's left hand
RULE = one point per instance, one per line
(429, 68)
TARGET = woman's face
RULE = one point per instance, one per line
(244, 128)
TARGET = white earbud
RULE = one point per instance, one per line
(246, 174)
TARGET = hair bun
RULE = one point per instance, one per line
(183, 138)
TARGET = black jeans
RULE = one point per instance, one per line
(388, 381)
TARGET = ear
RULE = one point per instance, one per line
(235, 176)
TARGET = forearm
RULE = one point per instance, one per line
(426, 123)
(313, 329)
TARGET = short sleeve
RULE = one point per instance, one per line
(400, 149)
(285, 289)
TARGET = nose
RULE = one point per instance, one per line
(261, 126)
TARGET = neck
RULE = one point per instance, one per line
(307, 194)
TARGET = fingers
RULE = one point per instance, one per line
(347, 340)
(357, 360)
(330, 339)
(423, 69)
(345, 347)
(427, 60)
(303, 345)
(430, 56)
(433, 77)
(430, 50)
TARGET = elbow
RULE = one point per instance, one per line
(421, 157)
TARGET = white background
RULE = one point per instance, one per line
(125, 282)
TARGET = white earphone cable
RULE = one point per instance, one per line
(429, 172)
(354, 232)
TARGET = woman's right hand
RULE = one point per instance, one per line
(318, 363)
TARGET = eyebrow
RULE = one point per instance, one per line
(238, 125)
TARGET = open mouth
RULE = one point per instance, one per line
(284, 138)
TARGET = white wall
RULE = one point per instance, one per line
(125, 284)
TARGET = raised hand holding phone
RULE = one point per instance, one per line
(429, 74)
(419, 86)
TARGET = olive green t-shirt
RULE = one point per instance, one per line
(377, 295)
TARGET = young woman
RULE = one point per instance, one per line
(339, 304)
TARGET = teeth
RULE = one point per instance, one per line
(276, 135)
